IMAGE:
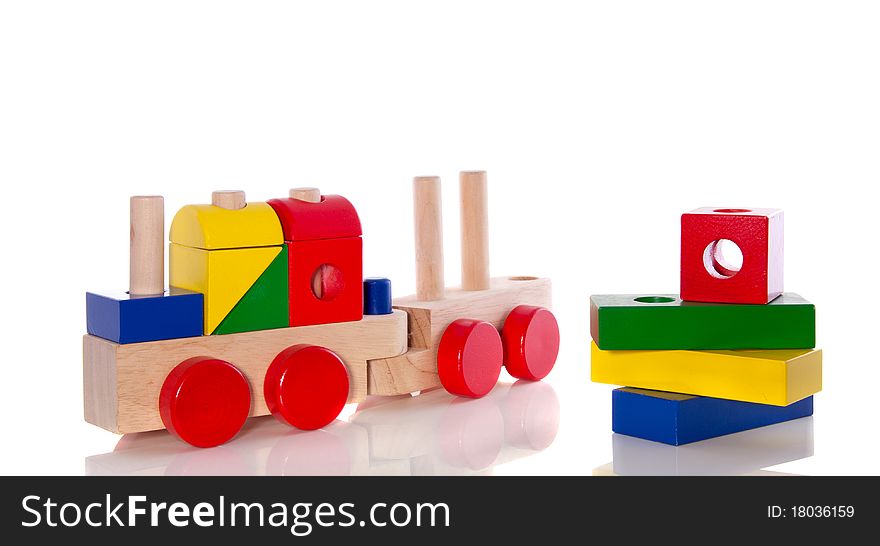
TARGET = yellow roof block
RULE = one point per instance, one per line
(211, 228)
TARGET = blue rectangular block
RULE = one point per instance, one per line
(124, 318)
(678, 419)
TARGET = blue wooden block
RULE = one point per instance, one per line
(124, 318)
(678, 419)
(377, 296)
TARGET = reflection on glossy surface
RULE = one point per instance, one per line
(433, 433)
(735, 454)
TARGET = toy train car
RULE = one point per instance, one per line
(267, 312)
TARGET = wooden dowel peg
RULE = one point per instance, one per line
(309, 195)
(474, 230)
(229, 199)
(429, 238)
(147, 251)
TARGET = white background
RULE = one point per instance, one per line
(598, 122)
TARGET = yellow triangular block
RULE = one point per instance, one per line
(223, 276)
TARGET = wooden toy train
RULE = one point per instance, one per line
(268, 313)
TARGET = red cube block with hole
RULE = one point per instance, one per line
(326, 259)
(326, 281)
(712, 238)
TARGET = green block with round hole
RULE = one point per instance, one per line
(623, 322)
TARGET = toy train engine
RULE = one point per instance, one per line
(268, 312)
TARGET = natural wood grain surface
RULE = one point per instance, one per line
(122, 382)
(427, 320)
(474, 198)
(99, 382)
(309, 195)
(414, 371)
(147, 252)
(229, 199)
(429, 237)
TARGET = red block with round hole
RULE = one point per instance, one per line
(306, 386)
(326, 259)
(325, 281)
(708, 275)
(204, 401)
(531, 342)
(469, 358)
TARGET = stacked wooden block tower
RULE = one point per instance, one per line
(733, 352)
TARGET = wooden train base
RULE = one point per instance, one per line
(142, 373)
(123, 381)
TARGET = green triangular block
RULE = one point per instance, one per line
(264, 305)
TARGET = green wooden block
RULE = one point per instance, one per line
(665, 322)
(264, 305)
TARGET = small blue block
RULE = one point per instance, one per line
(124, 318)
(678, 419)
(377, 296)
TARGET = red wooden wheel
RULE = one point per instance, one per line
(306, 386)
(469, 358)
(531, 342)
(204, 401)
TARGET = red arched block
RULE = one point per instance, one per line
(306, 386)
(531, 342)
(469, 358)
(205, 401)
(759, 235)
(331, 218)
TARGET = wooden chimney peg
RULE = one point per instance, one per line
(309, 195)
(147, 253)
(429, 238)
(228, 199)
(474, 231)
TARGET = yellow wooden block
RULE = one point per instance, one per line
(775, 377)
(223, 276)
(211, 227)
